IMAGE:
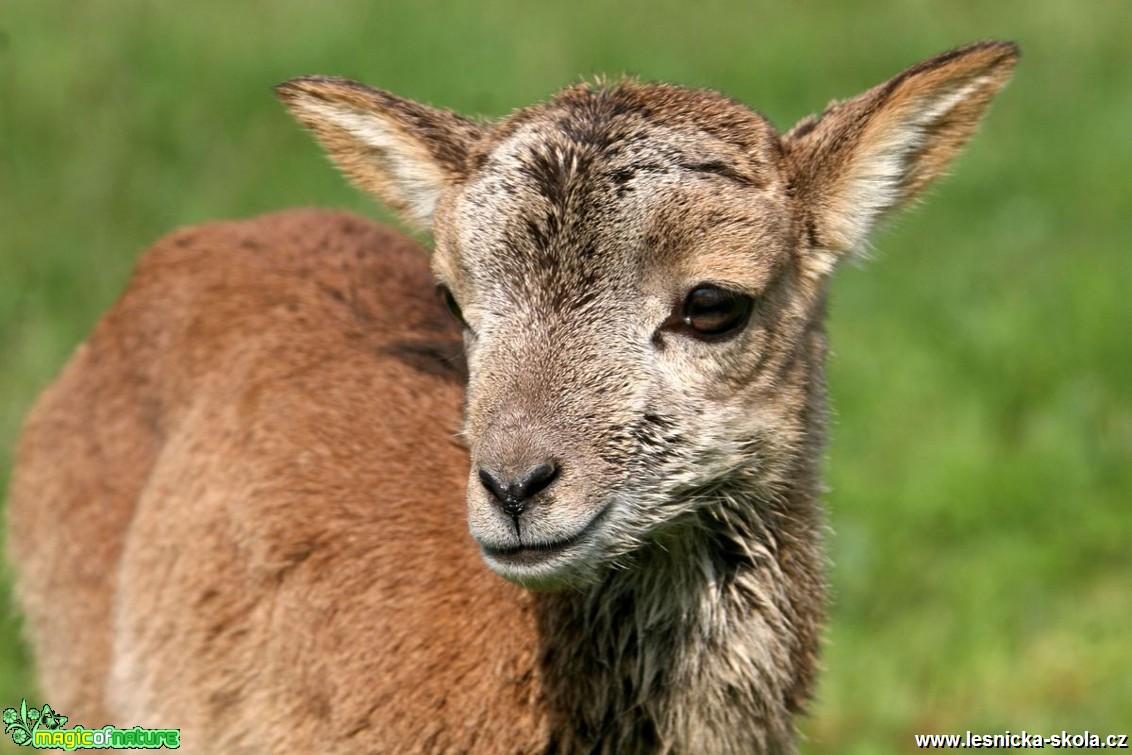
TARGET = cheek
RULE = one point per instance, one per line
(716, 372)
(701, 413)
(696, 374)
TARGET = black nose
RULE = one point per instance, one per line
(513, 495)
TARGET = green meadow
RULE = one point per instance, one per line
(980, 464)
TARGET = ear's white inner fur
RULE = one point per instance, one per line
(411, 170)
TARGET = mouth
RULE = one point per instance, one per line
(544, 554)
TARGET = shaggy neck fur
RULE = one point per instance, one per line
(706, 643)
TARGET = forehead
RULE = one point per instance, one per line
(574, 187)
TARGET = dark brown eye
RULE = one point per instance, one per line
(450, 303)
(712, 311)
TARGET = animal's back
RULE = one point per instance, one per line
(248, 481)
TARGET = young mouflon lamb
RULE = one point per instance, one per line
(270, 452)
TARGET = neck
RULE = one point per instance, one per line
(707, 643)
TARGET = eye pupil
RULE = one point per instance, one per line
(715, 311)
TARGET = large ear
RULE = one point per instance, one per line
(867, 156)
(404, 152)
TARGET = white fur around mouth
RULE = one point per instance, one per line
(519, 555)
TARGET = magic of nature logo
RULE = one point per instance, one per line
(42, 728)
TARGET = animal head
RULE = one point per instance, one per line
(640, 271)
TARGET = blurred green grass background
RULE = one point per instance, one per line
(981, 463)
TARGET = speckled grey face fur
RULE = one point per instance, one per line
(608, 220)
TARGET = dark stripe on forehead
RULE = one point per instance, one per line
(726, 170)
(552, 168)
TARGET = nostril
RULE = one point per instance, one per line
(512, 495)
(536, 479)
(494, 485)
